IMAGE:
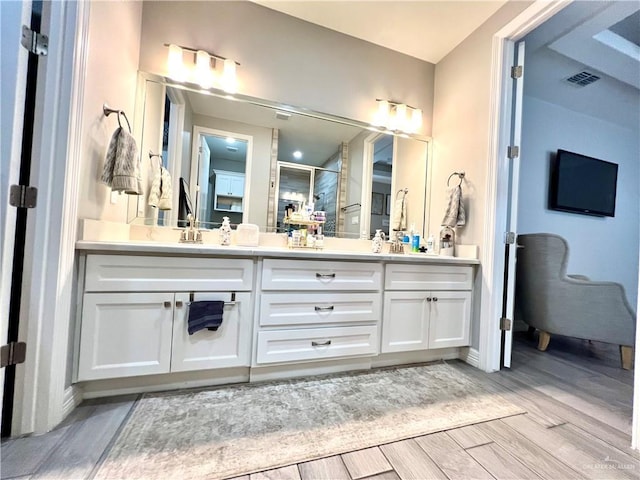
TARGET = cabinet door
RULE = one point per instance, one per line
(125, 334)
(405, 321)
(450, 319)
(223, 184)
(236, 186)
(229, 346)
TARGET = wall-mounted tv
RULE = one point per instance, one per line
(581, 184)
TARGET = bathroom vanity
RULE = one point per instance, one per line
(287, 313)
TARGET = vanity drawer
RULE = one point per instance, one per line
(320, 275)
(318, 308)
(129, 273)
(402, 276)
(276, 346)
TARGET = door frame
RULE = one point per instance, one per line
(492, 260)
(41, 400)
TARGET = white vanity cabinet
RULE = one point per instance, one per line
(134, 315)
(317, 310)
(426, 307)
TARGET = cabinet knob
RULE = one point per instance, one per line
(320, 309)
(179, 303)
(167, 304)
(429, 299)
(435, 299)
(323, 344)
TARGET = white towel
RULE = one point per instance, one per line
(160, 195)
(121, 171)
(399, 222)
(455, 214)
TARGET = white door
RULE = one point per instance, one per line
(405, 322)
(13, 93)
(450, 318)
(203, 194)
(512, 209)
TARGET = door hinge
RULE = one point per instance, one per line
(509, 238)
(516, 71)
(35, 42)
(23, 196)
(513, 151)
(13, 354)
(505, 324)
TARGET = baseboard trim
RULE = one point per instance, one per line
(470, 356)
(71, 399)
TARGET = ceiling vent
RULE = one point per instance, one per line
(583, 79)
(232, 149)
(282, 115)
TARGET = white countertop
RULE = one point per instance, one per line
(188, 249)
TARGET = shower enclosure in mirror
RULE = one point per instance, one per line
(232, 154)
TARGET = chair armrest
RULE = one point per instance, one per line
(579, 277)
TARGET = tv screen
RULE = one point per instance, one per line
(582, 184)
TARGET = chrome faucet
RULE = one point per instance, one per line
(191, 234)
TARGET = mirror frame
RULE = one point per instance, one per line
(367, 166)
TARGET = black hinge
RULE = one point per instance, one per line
(13, 354)
(513, 151)
(23, 196)
(35, 42)
(505, 324)
(516, 72)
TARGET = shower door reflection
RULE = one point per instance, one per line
(299, 185)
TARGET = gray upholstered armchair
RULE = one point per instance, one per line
(553, 302)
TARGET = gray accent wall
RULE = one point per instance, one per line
(601, 248)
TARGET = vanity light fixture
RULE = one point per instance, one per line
(397, 117)
(203, 70)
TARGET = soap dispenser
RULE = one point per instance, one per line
(225, 232)
(378, 241)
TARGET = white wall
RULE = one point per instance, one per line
(111, 74)
(288, 60)
(601, 248)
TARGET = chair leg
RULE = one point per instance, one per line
(626, 356)
(543, 341)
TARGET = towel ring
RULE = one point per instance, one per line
(459, 174)
(152, 155)
(108, 111)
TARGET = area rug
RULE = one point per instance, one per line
(233, 430)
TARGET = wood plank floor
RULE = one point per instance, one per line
(578, 423)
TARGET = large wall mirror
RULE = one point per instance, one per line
(250, 159)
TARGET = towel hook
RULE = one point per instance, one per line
(108, 111)
(459, 174)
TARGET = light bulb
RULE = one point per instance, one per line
(381, 116)
(229, 80)
(175, 67)
(204, 74)
(416, 120)
(401, 117)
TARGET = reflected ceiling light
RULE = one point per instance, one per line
(202, 71)
(297, 154)
(231, 140)
(397, 117)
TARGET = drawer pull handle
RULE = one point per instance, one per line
(320, 309)
(325, 275)
(167, 304)
(323, 344)
(179, 303)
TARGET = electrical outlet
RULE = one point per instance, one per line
(355, 220)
